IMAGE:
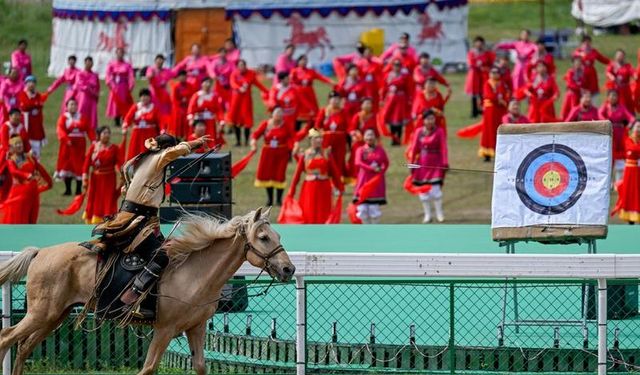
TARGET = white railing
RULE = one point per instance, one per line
(600, 267)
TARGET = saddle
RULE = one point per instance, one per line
(115, 271)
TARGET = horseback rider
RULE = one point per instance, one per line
(137, 225)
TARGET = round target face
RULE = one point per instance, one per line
(551, 179)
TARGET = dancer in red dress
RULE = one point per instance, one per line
(274, 156)
(352, 89)
(585, 111)
(576, 84)
(10, 128)
(506, 76)
(205, 105)
(495, 99)
(362, 121)
(284, 95)
(479, 61)
(621, 119)
(396, 92)
(589, 56)
(159, 78)
(181, 93)
(628, 205)
(99, 179)
(240, 113)
(31, 104)
(430, 98)
(320, 174)
(29, 179)
(72, 131)
(423, 72)
(199, 131)
(542, 92)
(144, 119)
(619, 74)
(371, 72)
(67, 78)
(303, 77)
(428, 149)
(195, 65)
(543, 55)
(371, 161)
(513, 115)
(120, 80)
(333, 124)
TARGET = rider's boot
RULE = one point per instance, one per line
(144, 280)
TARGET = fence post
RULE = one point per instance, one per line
(6, 323)
(301, 328)
(452, 341)
(602, 326)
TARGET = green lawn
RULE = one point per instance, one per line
(467, 196)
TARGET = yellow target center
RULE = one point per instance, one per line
(551, 180)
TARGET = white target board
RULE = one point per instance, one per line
(552, 181)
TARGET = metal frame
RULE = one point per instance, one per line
(517, 322)
(405, 265)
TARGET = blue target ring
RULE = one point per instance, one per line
(551, 179)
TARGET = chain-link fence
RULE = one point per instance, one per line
(377, 325)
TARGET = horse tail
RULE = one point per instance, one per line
(16, 268)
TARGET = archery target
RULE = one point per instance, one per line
(551, 179)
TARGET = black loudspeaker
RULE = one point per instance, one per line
(170, 214)
(201, 192)
(216, 165)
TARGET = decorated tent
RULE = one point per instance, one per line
(606, 13)
(328, 28)
(142, 27)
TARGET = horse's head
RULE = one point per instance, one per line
(264, 250)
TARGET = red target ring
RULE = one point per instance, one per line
(551, 179)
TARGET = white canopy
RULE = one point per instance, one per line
(605, 13)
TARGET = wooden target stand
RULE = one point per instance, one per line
(510, 248)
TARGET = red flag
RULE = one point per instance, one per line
(75, 206)
(241, 164)
(415, 190)
(470, 131)
(336, 212)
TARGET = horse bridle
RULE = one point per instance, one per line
(248, 247)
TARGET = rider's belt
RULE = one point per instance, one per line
(138, 209)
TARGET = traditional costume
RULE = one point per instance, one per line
(543, 93)
(120, 80)
(101, 162)
(206, 106)
(86, 89)
(145, 123)
(429, 150)
(359, 124)
(525, 50)
(579, 113)
(332, 123)
(181, 93)
(619, 79)
(589, 57)
(21, 61)
(288, 99)
(509, 118)
(576, 82)
(303, 78)
(9, 92)
(274, 156)
(72, 132)
(316, 192)
(241, 109)
(628, 204)
(31, 104)
(370, 162)
(620, 119)
(67, 78)
(196, 67)
(479, 63)
(158, 81)
(222, 70)
(396, 93)
(353, 91)
(495, 99)
(29, 179)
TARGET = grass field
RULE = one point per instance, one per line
(467, 196)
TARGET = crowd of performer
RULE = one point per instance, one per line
(399, 95)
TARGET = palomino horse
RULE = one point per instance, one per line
(203, 257)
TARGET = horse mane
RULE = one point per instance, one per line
(200, 231)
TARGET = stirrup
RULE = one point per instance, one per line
(142, 313)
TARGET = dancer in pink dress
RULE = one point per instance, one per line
(67, 78)
(120, 80)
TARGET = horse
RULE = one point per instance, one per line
(318, 38)
(62, 276)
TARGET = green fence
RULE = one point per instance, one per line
(381, 325)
